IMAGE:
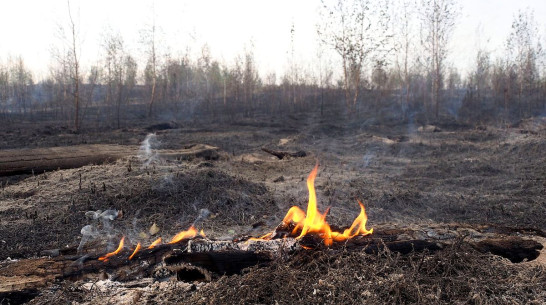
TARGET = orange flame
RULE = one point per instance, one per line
(357, 228)
(120, 247)
(135, 252)
(202, 233)
(155, 243)
(265, 237)
(315, 222)
(190, 233)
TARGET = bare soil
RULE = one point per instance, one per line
(405, 177)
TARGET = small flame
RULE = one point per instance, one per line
(202, 233)
(155, 243)
(357, 228)
(135, 252)
(315, 222)
(120, 247)
(265, 237)
(190, 233)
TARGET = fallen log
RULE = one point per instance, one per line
(39, 160)
(284, 154)
(190, 152)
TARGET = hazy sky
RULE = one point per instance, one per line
(29, 27)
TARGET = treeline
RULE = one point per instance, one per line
(392, 62)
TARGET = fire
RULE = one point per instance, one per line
(190, 233)
(315, 222)
(120, 247)
(135, 252)
(310, 222)
(155, 243)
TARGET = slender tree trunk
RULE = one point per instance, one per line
(120, 95)
(152, 98)
(76, 72)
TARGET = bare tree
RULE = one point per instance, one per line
(75, 66)
(293, 67)
(524, 50)
(93, 79)
(325, 75)
(149, 37)
(251, 81)
(404, 36)
(16, 84)
(438, 21)
(66, 72)
(357, 31)
(120, 69)
(4, 89)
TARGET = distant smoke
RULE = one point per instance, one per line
(146, 152)
(453, 106)
(411, 128)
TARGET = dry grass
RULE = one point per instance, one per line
(457, 275)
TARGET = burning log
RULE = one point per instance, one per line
(285, 154)
(201, 259)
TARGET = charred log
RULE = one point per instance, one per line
(285, 154)
(513, 248)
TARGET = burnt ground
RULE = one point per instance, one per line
(405, 176)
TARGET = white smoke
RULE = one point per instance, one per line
(147, 152)
(89, 233)
(203, 215)
(92, 231)
(367, 158)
